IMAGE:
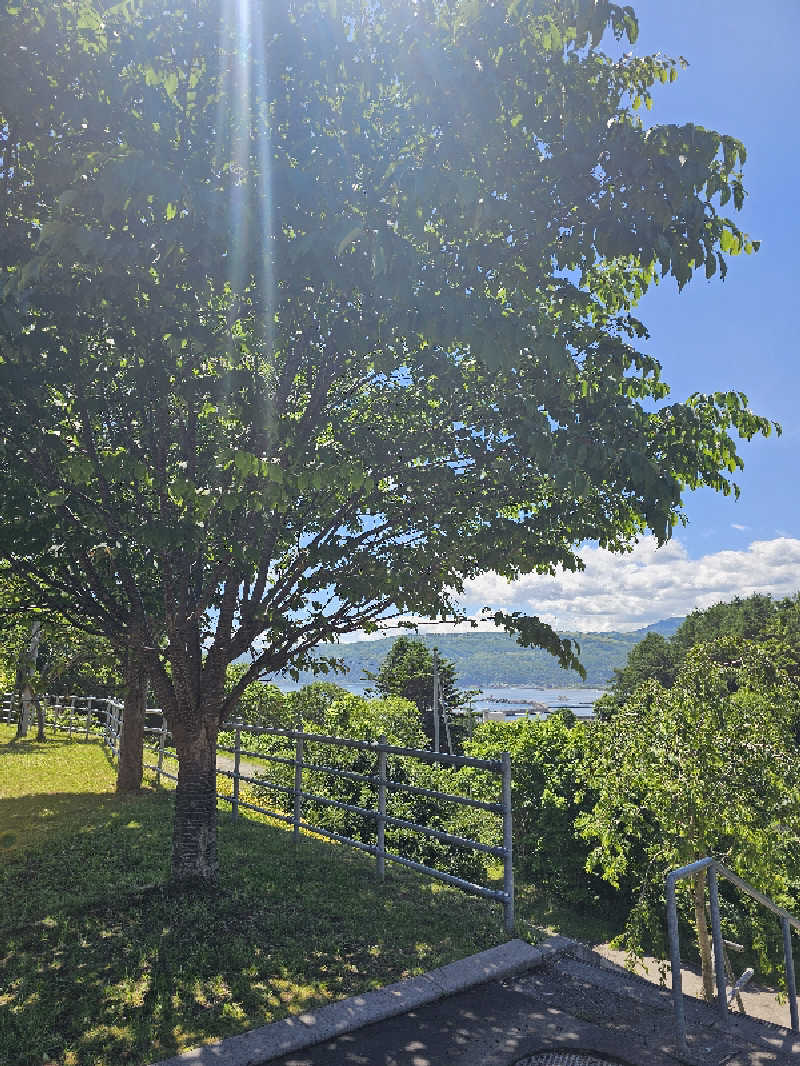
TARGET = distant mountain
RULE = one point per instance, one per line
(666, 627)
(490, 659)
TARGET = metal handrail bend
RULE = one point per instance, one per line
(788, 921)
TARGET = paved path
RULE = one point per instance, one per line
(558, 1004)
(226, 762)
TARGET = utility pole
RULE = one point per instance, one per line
(436, 699)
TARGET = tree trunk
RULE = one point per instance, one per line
(194, 835)
(703, 940)
(26, 700)
(131, 743)
(39, 719)
(26, 667)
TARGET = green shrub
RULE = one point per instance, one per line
(547, 759)
(327, 709)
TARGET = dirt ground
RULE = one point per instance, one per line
(758, 1001)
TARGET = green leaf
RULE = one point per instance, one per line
(246, 463)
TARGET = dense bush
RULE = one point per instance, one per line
(259, 704)
(547, 759)
(706, 767)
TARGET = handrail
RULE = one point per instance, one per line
(788, 921)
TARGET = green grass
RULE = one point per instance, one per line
(102, 964)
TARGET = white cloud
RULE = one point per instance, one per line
(741, 529)
(618, 592)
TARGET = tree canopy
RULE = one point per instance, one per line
(408, 671)
(706, 767)
(68, 661)
(311, 312)
(772, 624)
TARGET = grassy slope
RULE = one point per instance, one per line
(101, 964)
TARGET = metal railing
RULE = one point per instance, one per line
(788, 921)
(74, 715)
(102, 718)
(381, 751)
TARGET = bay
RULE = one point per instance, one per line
(514, 701)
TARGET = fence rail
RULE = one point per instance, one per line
(788, 922)
(102, 718)
(89, 715)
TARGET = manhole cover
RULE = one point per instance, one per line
(564, 1058)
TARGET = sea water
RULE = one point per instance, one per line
(512, 700)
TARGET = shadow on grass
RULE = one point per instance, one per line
(104, 964)
(593, 922)
(24, 819)
(29, 745)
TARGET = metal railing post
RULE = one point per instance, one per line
(380, 858)
(71, 715)
(508, 865)
(675, 959)
(237, 752)
(788, 921)
(716, 936)
(298, 786)
(791, 986)
(115, 728)
(88, 715)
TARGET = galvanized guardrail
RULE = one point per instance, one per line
(102, 718)
(715, 871)
(89, 715)
(384, 785)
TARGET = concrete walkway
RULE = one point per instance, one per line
(515, 1005)
(227, 763)
(352, 1015)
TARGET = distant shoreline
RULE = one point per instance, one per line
(344, 681)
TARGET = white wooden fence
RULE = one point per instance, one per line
(101, 718)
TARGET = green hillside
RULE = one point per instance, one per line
(491, 659)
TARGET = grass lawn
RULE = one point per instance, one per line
(102, 964)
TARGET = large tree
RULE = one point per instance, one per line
(312, 311)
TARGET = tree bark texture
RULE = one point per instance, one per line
(194, 836)
(131, 742)
(703, 939)
(26, 702)
(39, 719)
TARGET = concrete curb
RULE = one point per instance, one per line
(304, 1030)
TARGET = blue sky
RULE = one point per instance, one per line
(743, 78)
